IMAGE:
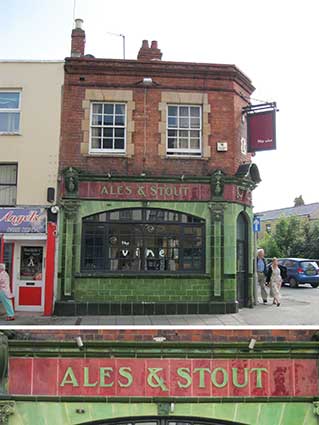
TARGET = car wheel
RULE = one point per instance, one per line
(314, 285)
(293, 283)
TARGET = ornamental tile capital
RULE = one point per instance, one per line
(217, 211)
(6, 409)
(71, 209)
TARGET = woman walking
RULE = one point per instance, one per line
(275, 277)
(5, 293)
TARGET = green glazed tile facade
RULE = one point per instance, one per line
(66, 413)
(218, 283)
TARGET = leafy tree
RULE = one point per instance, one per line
(311, 240)
(293, 237)
(289, 236)
(269, 245)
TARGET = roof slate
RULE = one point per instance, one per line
(303, 210)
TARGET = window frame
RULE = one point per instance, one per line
(12, 110)
(87, 225)
(179, 152)
(102, 150)
(10, 184)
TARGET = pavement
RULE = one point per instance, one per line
(299, 307)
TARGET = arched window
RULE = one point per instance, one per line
(143, 240)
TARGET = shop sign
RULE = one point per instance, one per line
(22, 220)
(261, 131)
(145, 191)
(163, 377)
(159, 192)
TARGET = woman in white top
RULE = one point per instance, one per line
(275, 276)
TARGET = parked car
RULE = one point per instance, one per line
(300, 271)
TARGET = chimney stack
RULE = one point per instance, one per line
(78, 39)
(147, 53)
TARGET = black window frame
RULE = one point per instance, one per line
(15, 184)
(177, 217)
(163, 420)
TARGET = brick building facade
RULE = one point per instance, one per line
(156, 187)
(159, 377)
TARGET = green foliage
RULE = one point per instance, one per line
(293, 237)
(270, 246)
(289, 236)
(311, 241)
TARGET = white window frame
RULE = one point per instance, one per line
(179, 152)
(101, 150)
(12, 110)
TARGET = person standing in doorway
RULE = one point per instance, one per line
(262, 273)
(5, 293)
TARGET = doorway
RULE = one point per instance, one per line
(242, 260)
(29, 276)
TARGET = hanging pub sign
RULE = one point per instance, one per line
(261, 127)
(22, 220)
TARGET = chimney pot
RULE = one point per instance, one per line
(147, 53)
(78, 23)
(78, 39)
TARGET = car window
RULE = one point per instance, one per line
(290, 263)
(308, 265)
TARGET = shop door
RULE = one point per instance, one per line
(29, 276)
(242, 261)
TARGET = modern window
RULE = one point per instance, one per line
(107, 127)
(8, 184)
(143, 240)
(10, 112)
(184, 128)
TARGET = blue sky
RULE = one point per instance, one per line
(275, 43)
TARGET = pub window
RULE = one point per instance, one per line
(142, 240)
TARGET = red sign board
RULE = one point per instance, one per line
(163, 377)
(135, 191)
(261, 131)
(145, 191)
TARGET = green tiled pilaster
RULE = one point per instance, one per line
(68, 266)
(217, 251)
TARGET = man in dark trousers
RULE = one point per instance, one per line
(261, 267)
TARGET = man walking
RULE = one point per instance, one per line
(261, 273)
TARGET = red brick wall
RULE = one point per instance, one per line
(198, 335)
(224, 96)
